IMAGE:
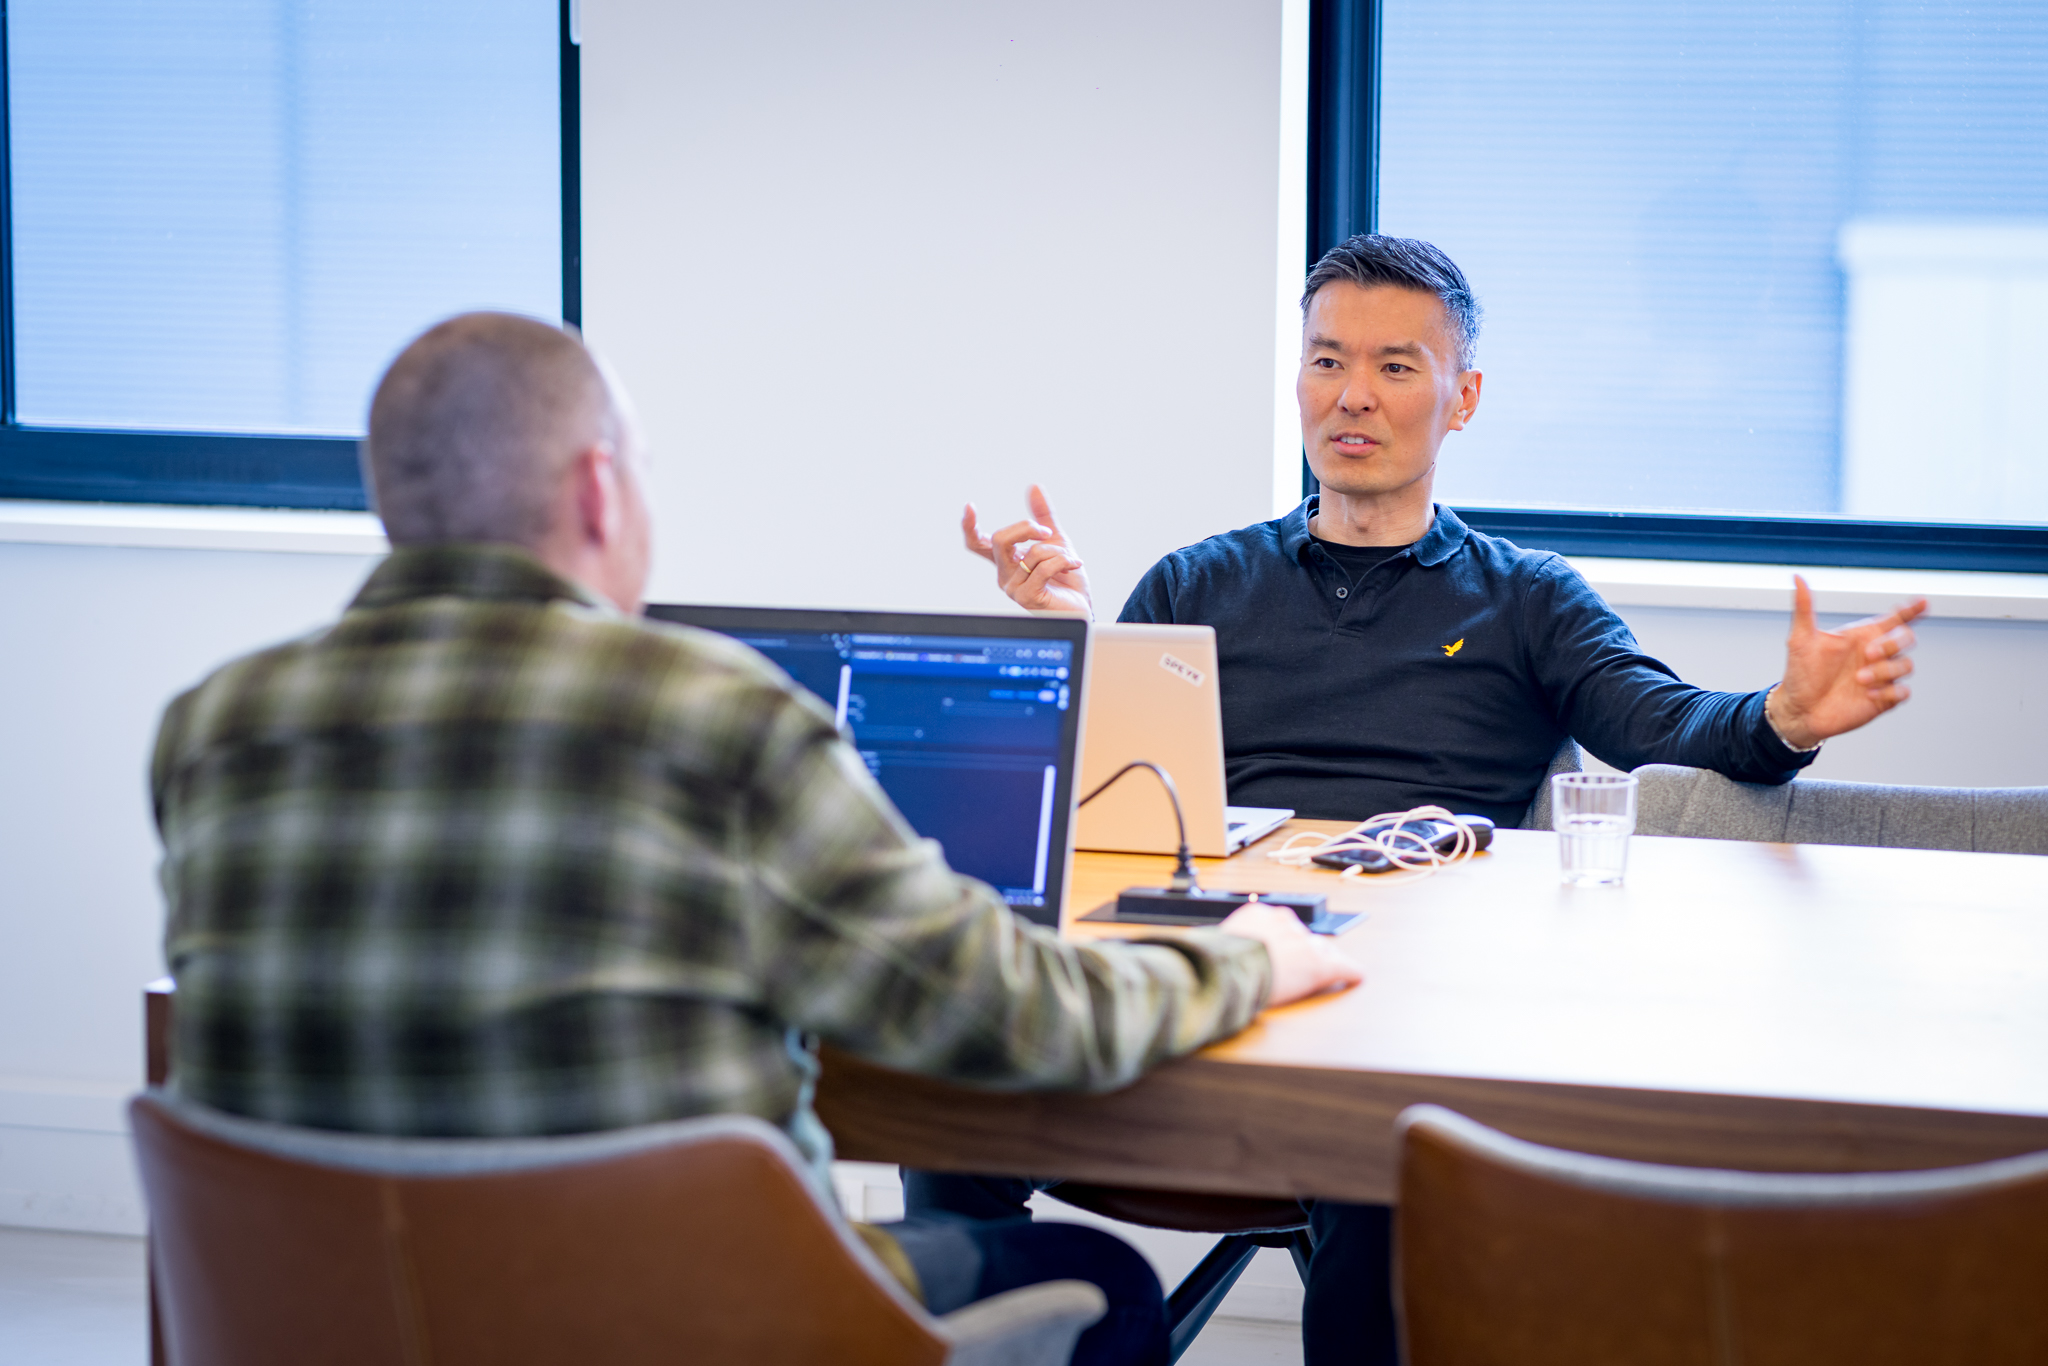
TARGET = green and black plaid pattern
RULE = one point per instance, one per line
(487, 857)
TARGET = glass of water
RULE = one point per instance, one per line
(1593, 813)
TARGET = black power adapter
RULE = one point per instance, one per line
(1200, 906)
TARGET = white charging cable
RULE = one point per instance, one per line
(1408, 850)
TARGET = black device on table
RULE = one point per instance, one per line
(1201, 906)
(1185, 901)
(1440, 835)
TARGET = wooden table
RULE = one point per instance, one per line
(1774, 1007)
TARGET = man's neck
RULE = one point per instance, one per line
(589, 570)
(1367, 519)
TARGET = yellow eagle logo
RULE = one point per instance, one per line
(1454, 647)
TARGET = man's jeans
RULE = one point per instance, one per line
(960, 1260)
(1347, 1316)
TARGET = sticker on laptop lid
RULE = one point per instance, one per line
(1181, 669)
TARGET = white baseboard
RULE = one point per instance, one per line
(65, 1179)
(65, 1162)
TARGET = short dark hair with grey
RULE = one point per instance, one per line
(1406, 263)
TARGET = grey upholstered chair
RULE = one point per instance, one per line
(1704, 805)
(1566, 760)
(701, 1240)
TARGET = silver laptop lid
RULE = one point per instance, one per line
(1152, 695)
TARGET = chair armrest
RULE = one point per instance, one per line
(1034, 1326)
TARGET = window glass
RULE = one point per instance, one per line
(1786, 257)
(228, 214)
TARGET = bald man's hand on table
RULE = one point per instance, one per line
(1304, 964)
(1036, 565)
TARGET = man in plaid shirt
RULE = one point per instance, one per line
(493, 855)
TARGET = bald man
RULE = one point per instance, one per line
(494, 855)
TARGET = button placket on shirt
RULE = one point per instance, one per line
(1330, 582)
(1333, 576)
(1358, 605)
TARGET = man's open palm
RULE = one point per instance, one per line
(1836, 681)
(1035, 562)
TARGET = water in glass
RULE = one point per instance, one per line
(1594, 849)
(1593, 814)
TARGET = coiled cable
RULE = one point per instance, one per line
(1408, 850)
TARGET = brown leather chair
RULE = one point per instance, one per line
(1511, 1252)
(700, 1241)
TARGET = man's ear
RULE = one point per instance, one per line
(600, 506)
(1468, 399)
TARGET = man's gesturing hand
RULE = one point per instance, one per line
(1836, 681)
(1035, 562)
(1304, 964)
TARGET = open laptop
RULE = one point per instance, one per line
(1152, 695)
(970, 724)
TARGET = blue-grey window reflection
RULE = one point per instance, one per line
(1785, 256)
(228, 214)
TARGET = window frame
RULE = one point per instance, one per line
(222, 469)
(1345, 52)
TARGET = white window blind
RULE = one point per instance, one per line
(1668, 212)
(228, 214)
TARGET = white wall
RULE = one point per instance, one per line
(93, 643)
(861, 263)
(1978, 716)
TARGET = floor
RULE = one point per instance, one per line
(1246, 1342)
(78, 1299)
(73, 1299)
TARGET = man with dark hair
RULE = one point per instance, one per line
(1375, 654)
(1404, 263)
(495, 855)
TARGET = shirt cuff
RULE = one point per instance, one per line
(1779, 735)
(1240, 967)
(1776, 755)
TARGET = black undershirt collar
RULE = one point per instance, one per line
(1356, 561)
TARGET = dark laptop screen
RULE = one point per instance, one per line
(969, 723)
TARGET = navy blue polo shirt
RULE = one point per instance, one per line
(1449, 673)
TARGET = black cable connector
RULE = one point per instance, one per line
(1183, 862)
(1186, 902)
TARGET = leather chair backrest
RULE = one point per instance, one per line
(1510, 1252)
(1694, 802)
(699, 1242)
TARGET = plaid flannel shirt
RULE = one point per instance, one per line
(487, 857)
